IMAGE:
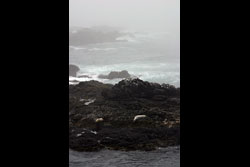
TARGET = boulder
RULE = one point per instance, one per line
(73, 69)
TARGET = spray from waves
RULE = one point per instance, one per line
(137, 37)
(77, 48)
(127, 38)
(143, 55)
(160, 73)
(101, 49)
(92, 49)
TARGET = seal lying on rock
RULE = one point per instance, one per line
(99, 120)
(138, 117)
(124, 116)
(99, 123)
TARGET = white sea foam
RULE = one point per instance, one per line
(138, 37)
(149, 56)
(76, 48)
(127, 38)
(152, 73)
(101, 49)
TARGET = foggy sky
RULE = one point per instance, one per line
(162, 15)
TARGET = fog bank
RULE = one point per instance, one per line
(157, 15)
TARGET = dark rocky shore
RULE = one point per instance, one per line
(131, 115)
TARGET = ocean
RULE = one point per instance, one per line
(150, 56)
(162, 157)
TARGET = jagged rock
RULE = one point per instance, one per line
(136, 88)
(159, 97)
(118, 105)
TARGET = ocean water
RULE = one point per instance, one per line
(150, 56)
(163, 157)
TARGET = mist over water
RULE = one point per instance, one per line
(152, 51)
(149, 55)
(140, 15)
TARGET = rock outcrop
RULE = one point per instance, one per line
(73, 69)
(158, 107)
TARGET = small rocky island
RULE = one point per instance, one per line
(115, 75)
(73, 69)
(131, 115)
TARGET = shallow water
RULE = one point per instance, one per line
(162, 157)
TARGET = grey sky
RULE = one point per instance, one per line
(163, 15)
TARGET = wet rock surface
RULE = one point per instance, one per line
(115, 107)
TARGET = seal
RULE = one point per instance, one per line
(99, 123)
(139, 116)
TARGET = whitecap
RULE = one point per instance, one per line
(101, 49)
(76, 48)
